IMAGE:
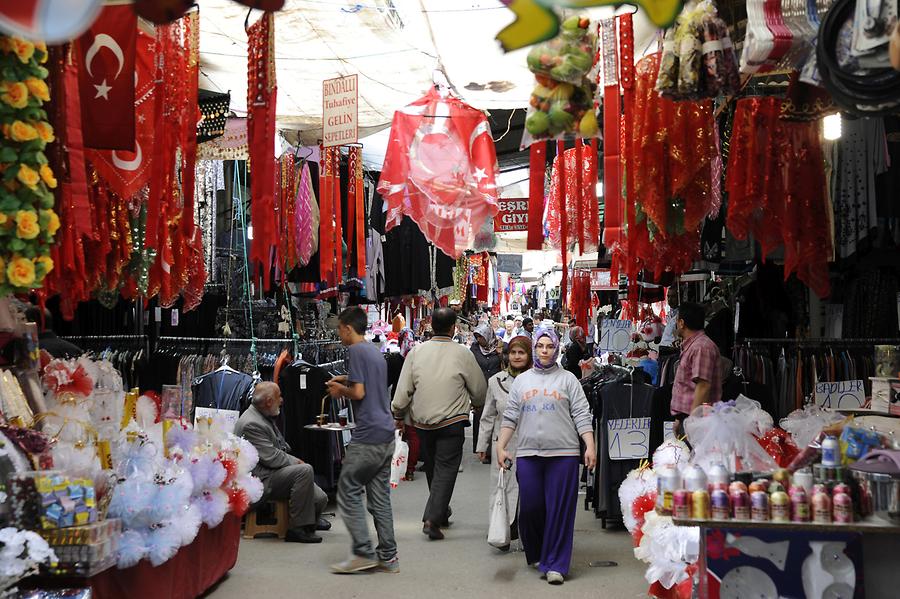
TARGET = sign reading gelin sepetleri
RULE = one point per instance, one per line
(340, 111)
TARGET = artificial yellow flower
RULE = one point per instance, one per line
(38, 89)
(42, 46)
(23, 49)
(45, 131)
(47, 176)
(47, 261)
(15, 94)
(20, 272)
(3, 218)
(27, 225)
(28, 176)
(21, 131)
(52, 221)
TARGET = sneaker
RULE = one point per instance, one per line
(391, 566)
(354, 565)
(461, 467)
(555, 577)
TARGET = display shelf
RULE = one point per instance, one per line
(871, 526)
(331, 428)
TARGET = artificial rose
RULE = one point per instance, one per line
(28, 176)
(52, 221)
(15, 94)
(42, 47)
(20, 272)
(27, 226)
(45, 131)
(23, 49)
(38, 89)
(3, 218)
(20, 131)
(47, 176)
(46, 261)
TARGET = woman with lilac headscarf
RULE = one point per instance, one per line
(548, 412)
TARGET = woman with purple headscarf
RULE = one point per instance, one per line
(548, 412)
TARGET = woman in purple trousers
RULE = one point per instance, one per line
(548, 412)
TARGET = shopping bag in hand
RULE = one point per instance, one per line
(498, 528)
(398, 463)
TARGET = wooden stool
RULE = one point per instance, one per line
(251, 528)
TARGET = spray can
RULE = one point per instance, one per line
(719, 505)
(694, 478)
(821, 508)
(700, 505)
(843, 508)
(668, 482)
(758, 485)
(781, 507)
(736, 487)
(681, 504)
(840, 488)
(800, 506)
(740, 505)
(759, 506)
(775, 487)
(718, 474)
(803, 478)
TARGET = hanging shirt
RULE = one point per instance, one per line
(699, 361)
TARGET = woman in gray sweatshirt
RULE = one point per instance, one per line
(548, 412)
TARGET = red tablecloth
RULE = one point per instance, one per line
(193, 570)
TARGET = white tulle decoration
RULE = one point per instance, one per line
(145, 411)
(724, 434)
(163, 543)
(806, 424)
(668, 549)
(252, 485)
(213, 505)
(671, 453)
(637, 483)
(247, 455)
(132, 548)
(189, 524)
(78, 461)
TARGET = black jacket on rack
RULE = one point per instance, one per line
(224, 389)
(303, 387)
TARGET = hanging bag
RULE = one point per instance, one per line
(498, 528)
(398, 462)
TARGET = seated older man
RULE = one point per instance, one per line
(283, 475)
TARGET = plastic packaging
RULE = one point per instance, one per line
(557, 110)
(831, 452)
(569, 56)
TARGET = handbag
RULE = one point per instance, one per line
(398, 462)
(498, 528)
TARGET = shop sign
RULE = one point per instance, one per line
(226, 418)
(509, 263)
(628, 438)
(615, 336)
(601, 280)
(340, 111)
(842, 395)
(513, 215)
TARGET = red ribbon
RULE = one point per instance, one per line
(326, 219)
(356, 204)
(564, 221)
(537, 164)
(261, 94)
(338, 218)
(579, 199)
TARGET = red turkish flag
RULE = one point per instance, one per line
(106, 55)
(127, 172)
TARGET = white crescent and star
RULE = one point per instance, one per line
(103, 40)
(129, 165)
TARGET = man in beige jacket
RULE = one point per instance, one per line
(439, 384)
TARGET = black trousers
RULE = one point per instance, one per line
(443, 450)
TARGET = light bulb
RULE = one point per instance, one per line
(832, 124)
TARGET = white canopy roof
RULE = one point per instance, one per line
(394, 45)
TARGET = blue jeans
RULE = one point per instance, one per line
(367, 469)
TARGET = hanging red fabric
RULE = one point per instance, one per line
(261, 96)
(564, 223)
(189, 157)
(338, 217)
(613, 234)
(579, 200)
(592, 235)
(326, 221)
(537, 165)
(356, 202)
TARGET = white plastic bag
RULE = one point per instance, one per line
(498, 527)
(398, 463)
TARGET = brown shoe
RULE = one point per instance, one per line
(434, 532)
